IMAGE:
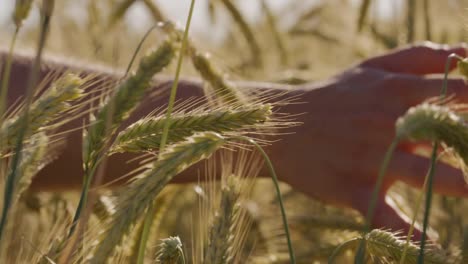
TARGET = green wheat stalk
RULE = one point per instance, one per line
(167, 124)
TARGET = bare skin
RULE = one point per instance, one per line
(336, 154)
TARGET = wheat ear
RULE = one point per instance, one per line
(32, 161)
(138, 196)
(45, 110)
(170, 251)
(462, 66)
(436, 123)
(221, 232)
(125, 99)
(225, 91)
(145, 135)
(385, 244)
(21, 12)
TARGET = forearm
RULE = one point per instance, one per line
(65, 172)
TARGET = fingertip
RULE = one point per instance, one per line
(459, 49)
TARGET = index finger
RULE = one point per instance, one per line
(427, 58)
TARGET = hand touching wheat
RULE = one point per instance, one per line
(335, 155)
(350, 123)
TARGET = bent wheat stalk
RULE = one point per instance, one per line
(115, 110)
(133, 202)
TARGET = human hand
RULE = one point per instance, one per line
(349, 124)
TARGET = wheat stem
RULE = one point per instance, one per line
(11, 177)
(147, 221)
(274, 177)
(430, 178)
(341, 247)
(135, 53)
(374, 197)
(125, 99)
(246, 31)
(6, 76)
(363, 10)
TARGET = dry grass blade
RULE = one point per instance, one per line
(170, 251)
(54, 102)
(133, 202)
(158, 16)
(271, 20)
(410, 20)
(221, 232)
(246, 31)
(145, 135)
(119, 11)
(363, 11)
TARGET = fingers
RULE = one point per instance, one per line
(412, 170)
(411, 90)
(385, 217)
(421, 59)
(388, 218)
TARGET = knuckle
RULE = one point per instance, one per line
(426, 47)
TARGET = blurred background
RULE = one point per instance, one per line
(305, 36)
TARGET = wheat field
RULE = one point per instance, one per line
(200, 189)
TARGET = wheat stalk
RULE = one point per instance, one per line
(21, 12)
(45, 110)
(138, 196)
(158, 16)
(125, 99)
(246, 31)
(385, 244)
(145, 134)
(462, 65)
(119, 10)
(170, 251)
(225, 91)
(32, 161)
(221, 232)
(437, 123)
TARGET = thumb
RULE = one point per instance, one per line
(426, 58)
